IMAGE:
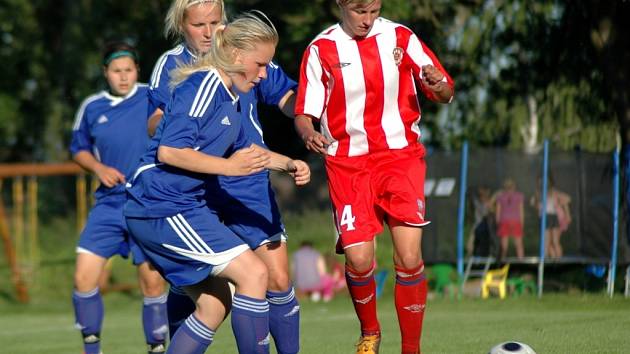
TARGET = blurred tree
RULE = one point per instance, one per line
(525, 70)
(530, 70)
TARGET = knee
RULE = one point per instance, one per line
(258, 275)
(409, 261)
(360, 263)
(152, 287)
(84, 281)
(279, 280)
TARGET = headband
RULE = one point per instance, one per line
(196, 2)
(118, 54)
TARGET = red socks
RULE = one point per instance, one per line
(362, 289)
(410, 295)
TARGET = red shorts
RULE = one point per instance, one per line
(510, 228)
(365, 189)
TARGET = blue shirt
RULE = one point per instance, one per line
(159, 91)
(114, 130)
(270, 90)
(202, 115)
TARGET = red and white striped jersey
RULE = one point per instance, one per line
(364, 91)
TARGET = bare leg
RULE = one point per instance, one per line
(520, 250)
(504, 247)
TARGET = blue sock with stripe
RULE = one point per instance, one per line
(178, 307)
(88, 314)
(284, 321)
(250, 324)
(154, 320)
(192, 337)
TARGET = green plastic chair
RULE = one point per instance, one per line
(444, 278)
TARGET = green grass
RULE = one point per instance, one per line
(555, 324)
(578, 322)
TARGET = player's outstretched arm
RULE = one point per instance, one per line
(298, 169)
(434, 80)
(243, 162)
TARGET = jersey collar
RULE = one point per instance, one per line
(116, 100)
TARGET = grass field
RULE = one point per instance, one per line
(555, 324)
(573, 321)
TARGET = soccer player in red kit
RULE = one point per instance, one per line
(358, 78)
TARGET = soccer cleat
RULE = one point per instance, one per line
(158, 348)
(368, 344)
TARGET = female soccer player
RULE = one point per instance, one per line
(109, 136)
(167, 212)
(358, 78)
(245, 204)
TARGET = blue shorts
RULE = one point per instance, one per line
(188, 247)
(247, 205)
(106, 234)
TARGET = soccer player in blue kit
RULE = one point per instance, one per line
(108, 138)
(167, 212)
(245, 204)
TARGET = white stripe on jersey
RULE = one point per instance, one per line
(354, 90)
(417, 54)
(393, 125)
(157, 70)
(81, 111)
(215, 86)
(251, 118)
(314, 87)
(203, 98)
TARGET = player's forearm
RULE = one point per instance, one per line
(287, 104)
(192, 160)
(87, 161)
(154, 121)
(442, 91)
(278, 162)
(303, 126)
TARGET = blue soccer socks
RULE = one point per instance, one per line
(88, 314)
(154, 320)
(178, 306)
(250, 324)
(284, 321)
(192, 337)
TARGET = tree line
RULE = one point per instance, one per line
(525, 70)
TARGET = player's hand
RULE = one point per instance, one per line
(300, 172)
(109, 176)
(316, 142)
(431, 76)
(247, 161)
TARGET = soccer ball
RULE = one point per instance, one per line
(512, 347)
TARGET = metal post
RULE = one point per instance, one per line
(543, 218)
(612, 267)
(462, 209)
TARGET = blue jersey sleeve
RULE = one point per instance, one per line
(159, 92)
(81, 137)
(179, 129)
(275, 86)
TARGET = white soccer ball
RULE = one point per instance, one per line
(512, 348)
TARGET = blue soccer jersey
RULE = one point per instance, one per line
(202, 115)
(114, 130)
(270, 91)
(159, 91)
(247, 204)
